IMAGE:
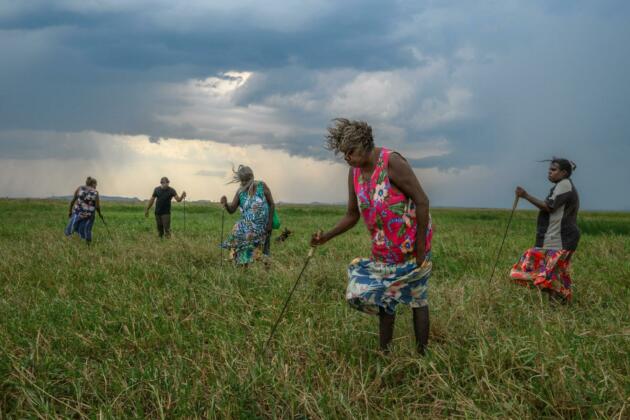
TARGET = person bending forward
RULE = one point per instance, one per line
(252, 232)
(84, 204)
(384, 189)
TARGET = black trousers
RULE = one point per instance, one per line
(267, 246)
(163, 222)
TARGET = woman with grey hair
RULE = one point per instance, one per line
(384, 189)
(251, 233)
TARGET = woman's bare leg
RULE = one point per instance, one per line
(421, 328)
(385, 329)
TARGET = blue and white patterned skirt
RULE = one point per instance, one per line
(374, 284)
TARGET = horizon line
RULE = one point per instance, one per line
(127, 200)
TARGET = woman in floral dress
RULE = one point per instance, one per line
(252, 230)
(84, 204)
(384, 189)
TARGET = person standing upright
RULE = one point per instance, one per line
(547, 265)
(162, 196)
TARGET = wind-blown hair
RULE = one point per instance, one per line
(563, 164)
(347, 134)
(244, 176)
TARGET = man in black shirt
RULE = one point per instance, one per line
(164, 193)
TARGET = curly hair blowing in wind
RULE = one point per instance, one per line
(244, 176)
(347, 134)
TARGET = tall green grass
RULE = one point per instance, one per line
(137, 327)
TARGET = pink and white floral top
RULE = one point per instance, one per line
(389, 215)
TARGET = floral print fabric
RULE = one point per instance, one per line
(82, 217)
(85, 206)
(249, 233)
(373, 284)
(389, 215)
(391, 276)
(547, 269)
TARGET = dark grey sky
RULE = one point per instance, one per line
(484, 87)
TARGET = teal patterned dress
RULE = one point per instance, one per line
(248, 235)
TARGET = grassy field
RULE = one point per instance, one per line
(136, 327)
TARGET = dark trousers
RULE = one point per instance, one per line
(267, 246)
(163, 222)
(82, 226)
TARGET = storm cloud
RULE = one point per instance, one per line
(455, 86)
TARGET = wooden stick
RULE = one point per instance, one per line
(504, 236)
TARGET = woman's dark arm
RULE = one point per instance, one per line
(347, 222)
(271, 204)
(151, 201)
(230, 207)
(403, 178)
(536, 202)
(98, 204)
(74, 199)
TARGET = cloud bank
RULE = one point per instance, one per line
(488, 87)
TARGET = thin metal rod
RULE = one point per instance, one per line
(286, 302)
(504, 236)
(106, 227)
(221, 243)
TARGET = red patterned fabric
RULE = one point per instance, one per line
(389, 215)
(547, 269)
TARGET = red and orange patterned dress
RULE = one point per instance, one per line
(547, 265)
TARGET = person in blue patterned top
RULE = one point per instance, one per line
(251, 233)
(84, 204)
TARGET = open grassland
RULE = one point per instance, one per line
(136, 327)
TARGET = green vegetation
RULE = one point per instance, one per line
(136, 327)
